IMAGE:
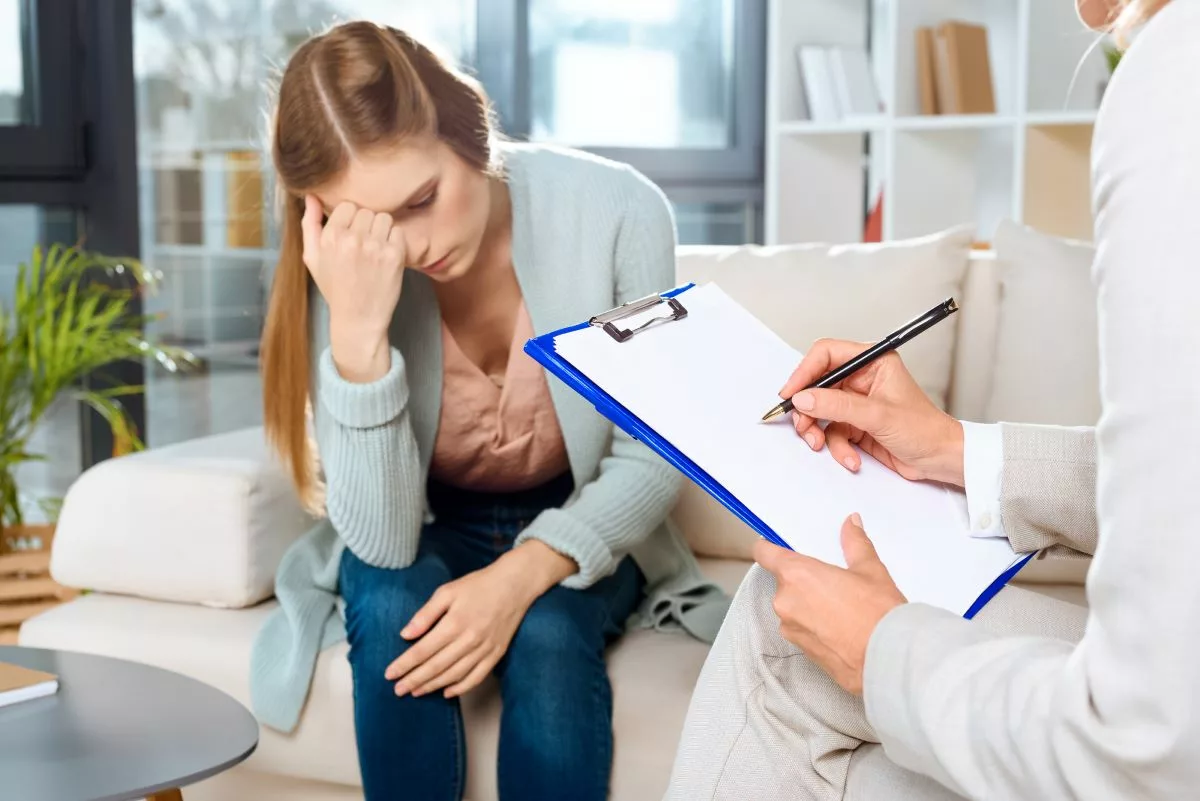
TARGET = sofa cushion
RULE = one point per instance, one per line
(971, 379)
(652, 675)
(214, 517)
(1046, 365)
(858, 292)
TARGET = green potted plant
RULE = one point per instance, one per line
(70, 318)
(1112, 57)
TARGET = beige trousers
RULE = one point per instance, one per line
(765, 723)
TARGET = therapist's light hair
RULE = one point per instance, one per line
(1131, 15)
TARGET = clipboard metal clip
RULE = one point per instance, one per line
(609, 319)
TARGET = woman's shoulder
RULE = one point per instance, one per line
(559, 177)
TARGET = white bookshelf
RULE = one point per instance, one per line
(1028, 161)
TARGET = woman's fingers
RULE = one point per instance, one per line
(381, 226)
(823, 356)
(477, 674)
(840, 406)
(808, 430)
(428, 672)
(455, 673)
(419, 653)
(310, 228)
(840, 437)
(361, 224)
(342, 216)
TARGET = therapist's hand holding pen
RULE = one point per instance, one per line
(881, 409)
(827, 611)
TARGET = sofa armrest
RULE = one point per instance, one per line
(204, 522)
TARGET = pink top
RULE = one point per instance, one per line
(497, 433)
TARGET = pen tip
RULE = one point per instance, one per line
(778, 410)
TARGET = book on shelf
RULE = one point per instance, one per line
(836, 83)
(244, 185)
(926, 72)
(954, 69)
(178, 206)
(18, 683)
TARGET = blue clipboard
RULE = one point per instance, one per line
(543, 350)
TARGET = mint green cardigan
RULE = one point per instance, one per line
(588, 234)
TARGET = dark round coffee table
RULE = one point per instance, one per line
(116, 730)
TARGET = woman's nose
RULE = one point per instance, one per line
(416, 243)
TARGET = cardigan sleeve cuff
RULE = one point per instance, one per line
(363, 405)
(569, 537)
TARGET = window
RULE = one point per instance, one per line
(670, 86)
(673, 87)
(67, 176)
(40, 125)
(716, 223)
(203, 68)
(637, 73)
(14, 106)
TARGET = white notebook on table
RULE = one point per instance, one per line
(694, 389)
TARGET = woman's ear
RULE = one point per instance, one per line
(1097, 14)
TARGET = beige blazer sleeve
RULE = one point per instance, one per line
(1048, 489)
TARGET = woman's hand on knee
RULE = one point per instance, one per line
(462, 632)
(881, 409)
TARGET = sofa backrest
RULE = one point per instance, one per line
(975, 338)
(857, 292)
(1027, 309)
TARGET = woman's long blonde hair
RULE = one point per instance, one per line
(356, 87)
(1131, 14)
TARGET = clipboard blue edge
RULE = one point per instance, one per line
(997, 585)
(542, 349)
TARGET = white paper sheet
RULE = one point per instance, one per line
(703, 384)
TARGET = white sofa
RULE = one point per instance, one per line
(179, 544)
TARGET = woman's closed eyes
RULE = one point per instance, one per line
(425, 202)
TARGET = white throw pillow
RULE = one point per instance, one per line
(1047, 366)
(859, 292)
(808, 291)
(205, 521)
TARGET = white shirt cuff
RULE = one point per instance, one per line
(983, 466)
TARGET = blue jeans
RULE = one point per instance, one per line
(556, 723)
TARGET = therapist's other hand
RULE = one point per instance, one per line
(881, 409)
(830, 612)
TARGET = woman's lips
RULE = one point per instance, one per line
(440, 264)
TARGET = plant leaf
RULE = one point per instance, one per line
(125, 438)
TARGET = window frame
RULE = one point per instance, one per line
(503, 65)
(53, 145)
(82, 154)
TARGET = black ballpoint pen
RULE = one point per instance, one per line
(889, 343)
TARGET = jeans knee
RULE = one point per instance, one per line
(552, 633)
(380, 601)
(555, 653)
